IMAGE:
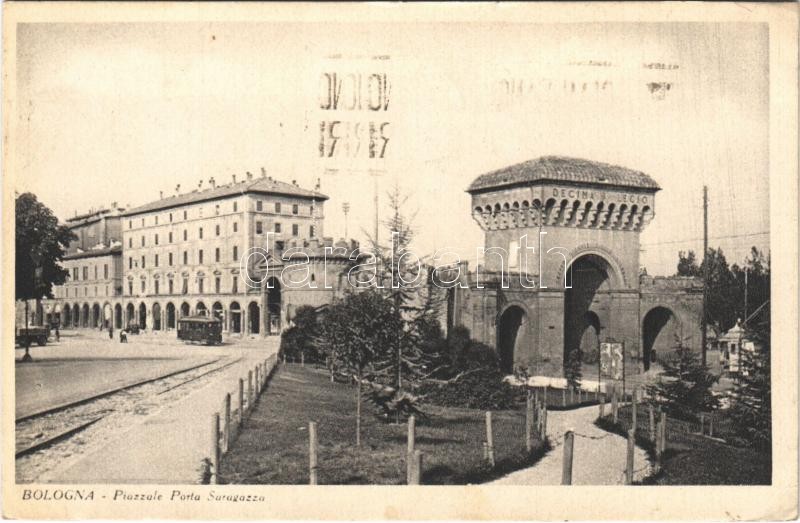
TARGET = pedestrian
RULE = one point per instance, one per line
(123, 336)
(110, 332)
(58, 334)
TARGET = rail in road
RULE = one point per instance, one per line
(37, 432)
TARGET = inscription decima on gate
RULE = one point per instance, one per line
(588, 194)
(348, 94)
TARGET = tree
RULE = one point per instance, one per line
(40, 245)
(299, 338)
(752, 408)
(684, 387)
(354, 333)
(408, 284)
(721, 287)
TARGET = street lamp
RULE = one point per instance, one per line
(346, 210)
(37, 277)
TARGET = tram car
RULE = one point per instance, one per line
(202, 329)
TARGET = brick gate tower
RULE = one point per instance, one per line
(561, 267)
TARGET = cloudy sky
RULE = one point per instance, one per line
(119, 112)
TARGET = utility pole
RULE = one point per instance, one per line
(705, 271)
(346, 210)
(745, 296)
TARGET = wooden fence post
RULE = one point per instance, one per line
(312, 453)
(544, 422)
(663, 431)
(711, 425)
(563, 397)
(215, 449)
(416, 468)
(302, 359)
(602, 406)
(529, 423)
(652, 423)
(629, 460)
(634, 393)
(489, 438)
(226, 427)
(702, 424)
(657, 442)
(566, 469)
(241, 403)
(412, 427)
(249, 390)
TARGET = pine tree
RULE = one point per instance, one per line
(408, 284)
(752, 408)
(684, 388)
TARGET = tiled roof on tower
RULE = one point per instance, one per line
(562, 169)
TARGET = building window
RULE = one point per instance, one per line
(185, 287)
(216, 230)
(235, 227)
(185, 258)
(156, 219)
(200, 256)
(216, 254)
(235, 284)
(278, 207)
(155, 261)
(75, 273)
(217, 282)
(295, 208)
(130, 262)
(105, 271)
(130, 243)
(184, 215)
(235, 206)
(259, 205)
(200, 286)
(171, 286)
(216, 209)
(142, 222)
(130, 224)
(185, 235)
(200, 233)
(142, 241)
(169, 256)
(95, 272)
(277, 227)
(143, 262)
(295, 229)
(143, 285)
(311, 231)
(156, 239)
(130, 288)
(170, 237)
(170, 217)
(259, 228)
(155, 287)
(235, 253)
(85, 273)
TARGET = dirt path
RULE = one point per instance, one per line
(599, 456)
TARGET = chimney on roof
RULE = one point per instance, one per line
(263, 173)
(234, 178)
(199, 185)
(212, 183)
(249, 175)
(177, 189)
(160, 195)
(294, 182)
(113, 206)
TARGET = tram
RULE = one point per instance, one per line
(203, 329)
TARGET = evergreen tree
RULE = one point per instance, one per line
(683, 389)
(752, 408)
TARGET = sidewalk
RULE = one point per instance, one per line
(598, 459)
(168, 446)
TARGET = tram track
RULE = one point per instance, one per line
(58, 425)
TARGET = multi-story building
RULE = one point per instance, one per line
(184, 254)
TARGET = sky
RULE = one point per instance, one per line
(118, 112)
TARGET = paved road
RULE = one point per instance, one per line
(599, 456)
(169, 446)
(85, 363)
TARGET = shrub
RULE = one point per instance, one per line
(299, 338)
(393, 405)
(480, 388)
(572, 368)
